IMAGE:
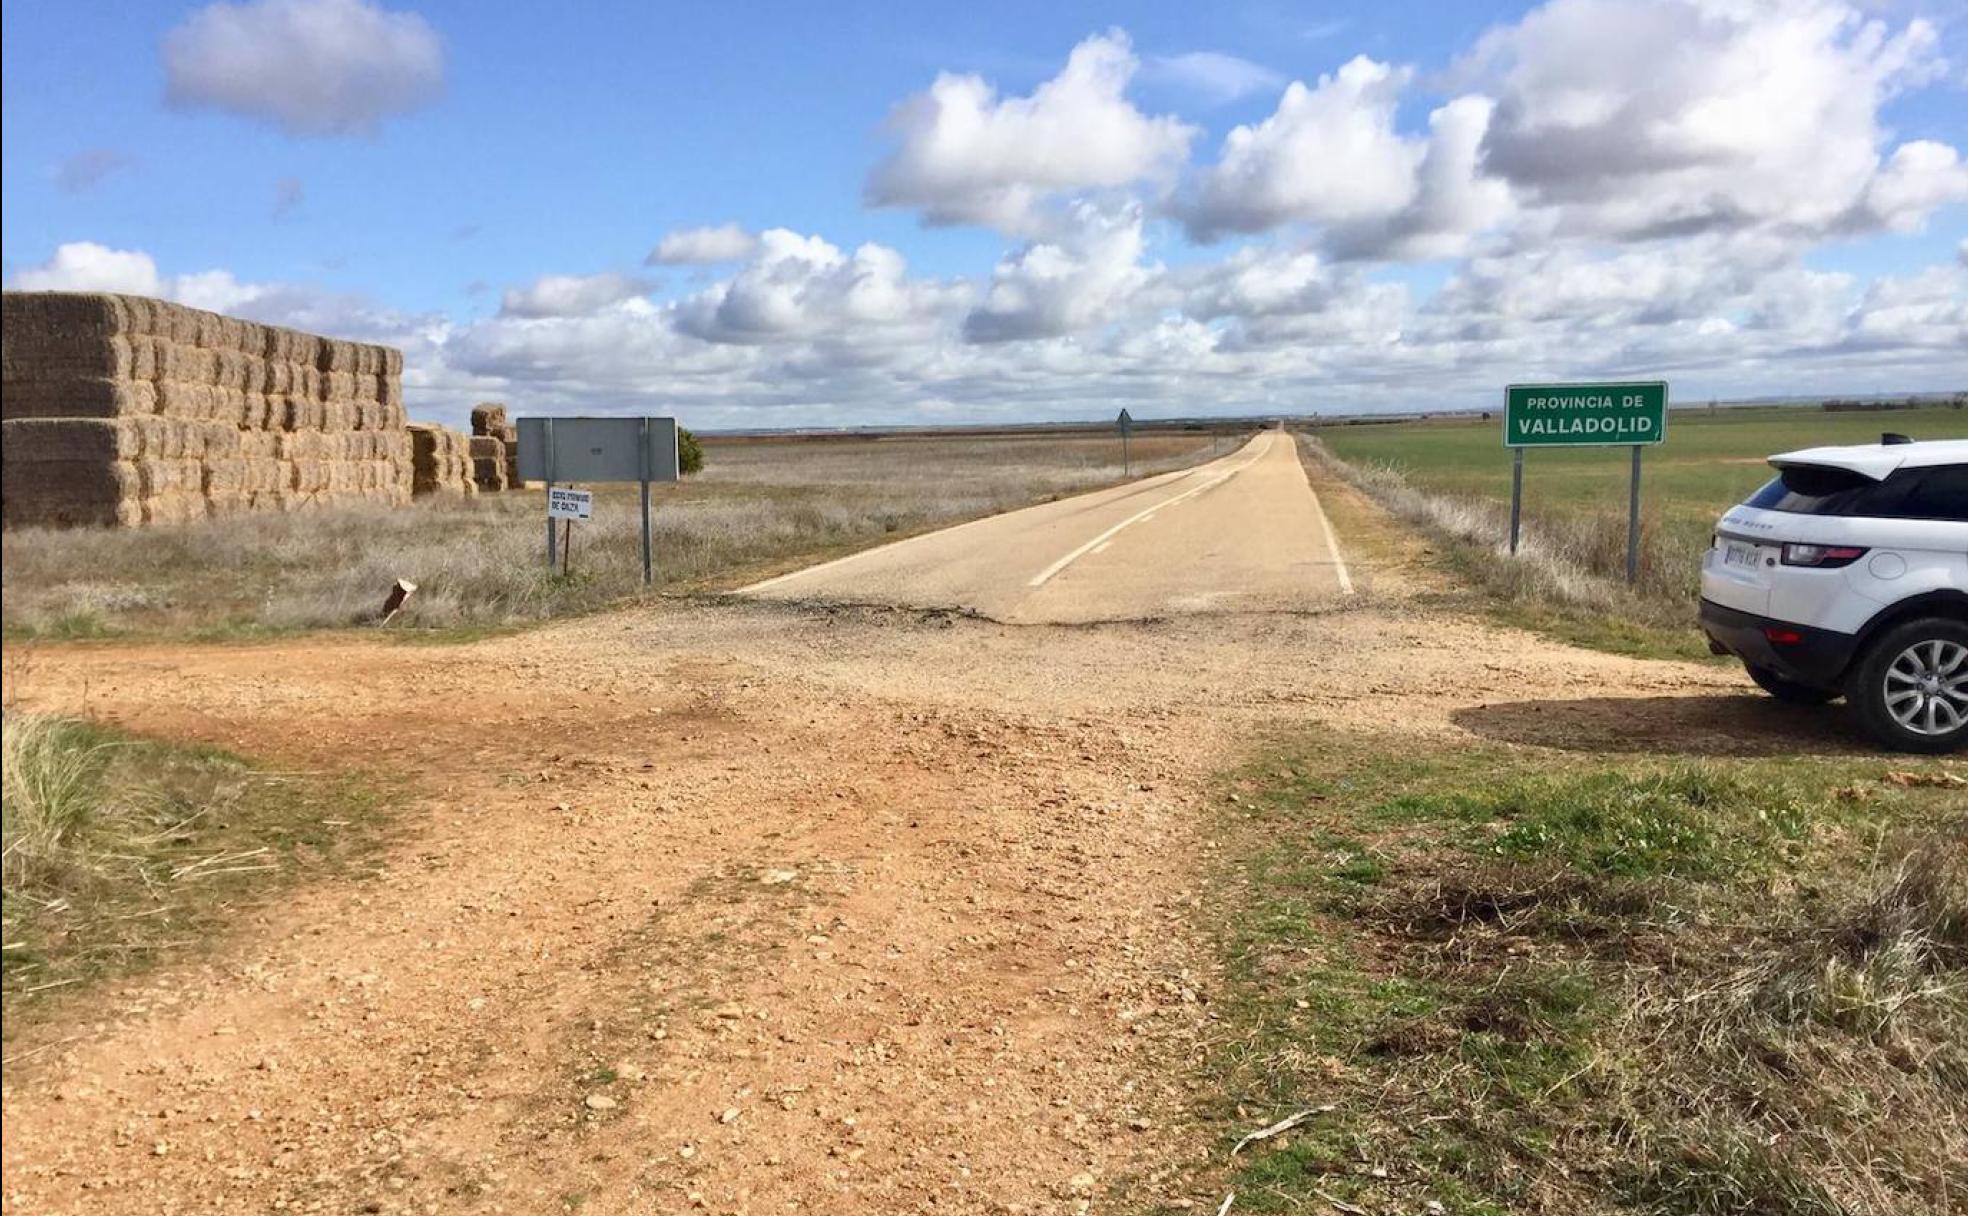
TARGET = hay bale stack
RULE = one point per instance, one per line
(120, 410)
(441, 461)
(489, 421)
(488, 456)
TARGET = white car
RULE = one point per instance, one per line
(1847, 575)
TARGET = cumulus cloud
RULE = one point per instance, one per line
(1217, 77)
(703, 246)
(570, 295)
(964, 155)
(313, 67)
(1329, 154)
(1922, 177)
(86, 170)
(87, 266)
(1637, 119)
(801, 287)
(1051, 288)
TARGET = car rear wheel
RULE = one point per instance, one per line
(1911, 688)
(1789, 690)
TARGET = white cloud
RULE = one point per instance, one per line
(1218, 77)
(1637, 119)
(801, 287)
(703, 246)
(1329, 154)
(570, 295)
(1056, 287)
(966, 156)
(1922, 177)
(314, 67)
(1454, 198)
(87, 266)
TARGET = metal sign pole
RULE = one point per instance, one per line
(648, 557)
(1127, 461)
(1633, 523)
(1516, 496)
(550, 486)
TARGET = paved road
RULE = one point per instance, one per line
(1241, 533)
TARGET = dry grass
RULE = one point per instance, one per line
(1535, 987)
(120, 850)
(1569, 574)
(758, 506)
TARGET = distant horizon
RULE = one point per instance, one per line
(783, 217)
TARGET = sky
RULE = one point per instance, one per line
(800, 215)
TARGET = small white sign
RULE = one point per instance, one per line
(570, 504)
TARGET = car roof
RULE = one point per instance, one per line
(1879, 460)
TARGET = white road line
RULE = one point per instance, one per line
(1044, 576)
(1332, 542)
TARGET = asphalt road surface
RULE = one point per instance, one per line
(1242, 533)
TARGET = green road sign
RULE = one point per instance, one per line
(1579, 415)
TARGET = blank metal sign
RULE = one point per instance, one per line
(596, 449)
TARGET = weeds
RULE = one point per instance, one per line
(1686, 989)
(121, 850)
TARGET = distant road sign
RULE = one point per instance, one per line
(1125, 422)
(1583, 415)
(563, 503)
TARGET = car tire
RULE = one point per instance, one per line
(1790, 691)
(1910, 687)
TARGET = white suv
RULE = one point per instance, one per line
(1848, 575)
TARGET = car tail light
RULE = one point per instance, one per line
(1779, 636)
(1823, 557)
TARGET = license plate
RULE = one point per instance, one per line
(1736, 554)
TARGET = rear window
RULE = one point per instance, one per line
(1931, 493)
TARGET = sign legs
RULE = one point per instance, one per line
(1516, 496)
(1633, 522)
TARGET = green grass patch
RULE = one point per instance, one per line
(123, 851)
(1452, 477)
(1530, 984)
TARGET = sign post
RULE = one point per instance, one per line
(1126, 423)
(1631, 414)
(642, 450)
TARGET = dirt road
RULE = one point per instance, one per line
(1241, 533)
(744, 907)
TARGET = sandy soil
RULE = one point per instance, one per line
(746, 907)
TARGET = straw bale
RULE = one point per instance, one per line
(338, 386)
(37, 440)
(487, 417)
(44, 317)
(390, 392)
(177, 508)
(489, 474)
(335, 355)
(74, 479)
(112, 357)
(484, 447)
(171, 475)
(78, 398)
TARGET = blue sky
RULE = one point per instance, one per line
(1099, 244)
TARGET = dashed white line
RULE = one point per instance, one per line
(1046, 575)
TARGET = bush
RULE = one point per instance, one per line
(690, 453)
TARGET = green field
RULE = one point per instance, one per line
(1710, 460)
(1572, 581)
